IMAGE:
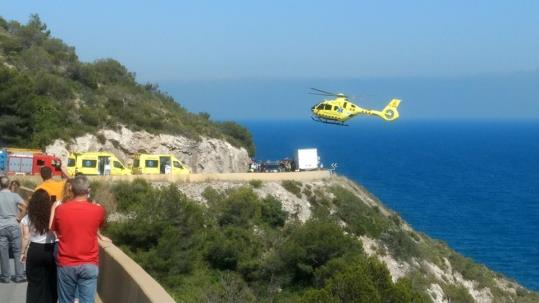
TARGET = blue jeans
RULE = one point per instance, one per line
(10, 236)
(79, 277)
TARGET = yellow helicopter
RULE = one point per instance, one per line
(339, 110)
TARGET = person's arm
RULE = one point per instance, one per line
(53, 211)
(54, 224)
(21, 205)
(63, 172)
(25, 241)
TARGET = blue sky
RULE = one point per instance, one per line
(178, 44)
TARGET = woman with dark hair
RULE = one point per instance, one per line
(38, 250)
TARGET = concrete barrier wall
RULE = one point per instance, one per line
(123, 280)
(297, 176)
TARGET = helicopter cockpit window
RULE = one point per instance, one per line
(328, 107)
(320, 106)
(345, 104)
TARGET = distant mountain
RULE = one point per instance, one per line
(47, 93)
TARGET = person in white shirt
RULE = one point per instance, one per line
(38, 250)
(106, 169)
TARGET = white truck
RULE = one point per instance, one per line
(307, 159)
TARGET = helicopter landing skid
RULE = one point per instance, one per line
(325, 121)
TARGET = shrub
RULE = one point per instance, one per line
(134, 195)
(240, 208)
(256, 183)
(272, 212)
(319, 296)
(312, 245)
(239, 135)
(230, 288)
(361, 279)
(404, 292)
(212, 196)
(292, 186)
(231, 247)
(401, 245)
(472, 271)
(3, 23)
(459, 294)
(361, 219)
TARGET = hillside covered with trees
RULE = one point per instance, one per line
(246, 242)
(47, 93)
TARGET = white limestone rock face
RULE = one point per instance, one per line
(207, 155)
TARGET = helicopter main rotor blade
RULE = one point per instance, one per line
(325, 95)
(323, 91)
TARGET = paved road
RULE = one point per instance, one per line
(13, 292)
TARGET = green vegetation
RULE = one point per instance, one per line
(457, 294)
(47, 93)
(365, 280)
(256, 183)
(293, 187)
(361, 218)
(240, 248)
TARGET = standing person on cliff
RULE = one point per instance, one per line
(76, 224)
(10, 233)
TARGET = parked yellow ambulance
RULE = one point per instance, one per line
(95, 163)
(146, 164)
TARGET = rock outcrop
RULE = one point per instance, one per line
(206, 155)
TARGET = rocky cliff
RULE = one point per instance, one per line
(205, 155)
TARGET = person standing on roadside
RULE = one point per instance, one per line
(10, 232)
(38, 250)
(14, 186)
(76, 223)
(55, 188)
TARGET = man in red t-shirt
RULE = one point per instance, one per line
(76, 223)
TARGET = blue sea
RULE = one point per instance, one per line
(474, 185)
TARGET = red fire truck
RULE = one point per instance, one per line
(29, 162)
